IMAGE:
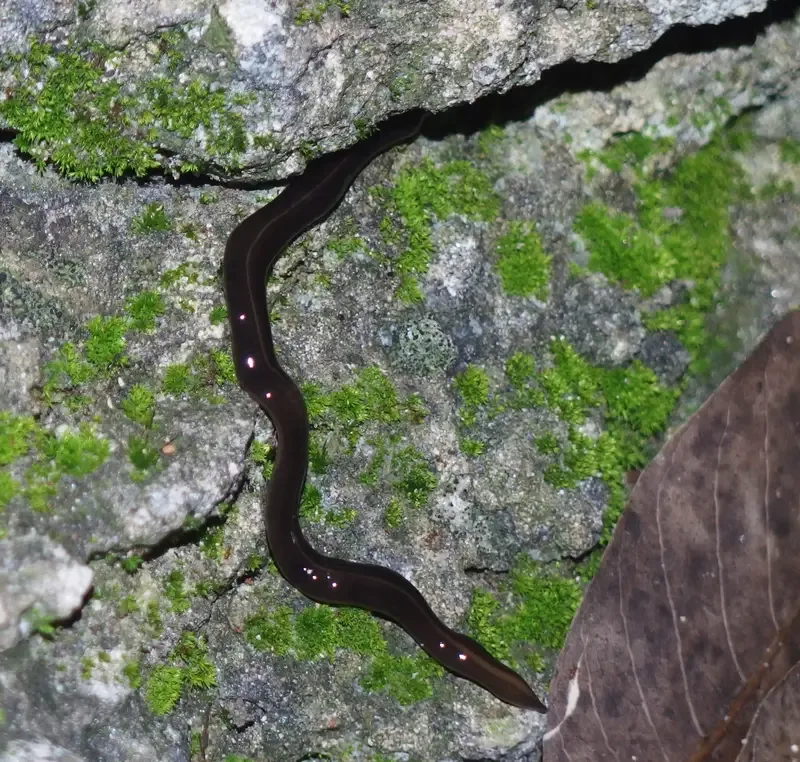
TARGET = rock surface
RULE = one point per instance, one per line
(131, 460)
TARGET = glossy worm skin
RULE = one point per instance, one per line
(250, 254)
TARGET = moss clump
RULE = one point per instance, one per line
(407, 679)
(106, 342)
(472, 384)
(132, 673)
(522, 265)
(175, 592)
(394, 514)
(422, 193)
(270, 630)
(371, 398)
(163, 688)
(680, 231)
(139, 405)
(633, 405)
(789, 149)
(189, 668)
(68, 111)
(316, 632)
(200, 377)
(50, 457)
(413, 477)
(153, 219)
(143, 309)
(472, 448)
(342, 416)
(315, 13)
(544, 601)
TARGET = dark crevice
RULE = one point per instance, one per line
(484, 570)
(572, 76)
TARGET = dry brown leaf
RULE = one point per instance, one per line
(686, 645)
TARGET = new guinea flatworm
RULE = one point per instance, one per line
(250, 254)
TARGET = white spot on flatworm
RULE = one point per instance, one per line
(441, 645)
(243, 316)
(251, 363)
(463, 657)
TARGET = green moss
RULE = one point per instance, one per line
(523, 266)
(200, 377)
(75, 454)
(482, 620)
(153, 618)
(359, 632)
(407, 679)
(633, 149)
(139, 405)
(623, 251)
(9, 487)
(652, 247)
(547, 603)
(67, 370)
(311, 504)
(473, 385)
(131, 563)
(340, 518)
(128, 605)
(315, 632)
(183, 108)
(163, 689)
(489, 138)
(370, 399)
(191, 652)
(212, 545)
(471, 447)
(544, 600)
(426, 191)
(104, 347)
(394, 514)
(190, 668)
(17, 436)
(343, 246)
(66, 111)
(169, 48)
(635, 398)
(87, 667)
(153, 219)
(144, 309)
(218, 315)
(270, 630)
(547, 444)
(175, 592)
(520, 373)
(790, 150)
(40, 622)
(413, 476)
(186, 271)
(225, 372)
(176, 379)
